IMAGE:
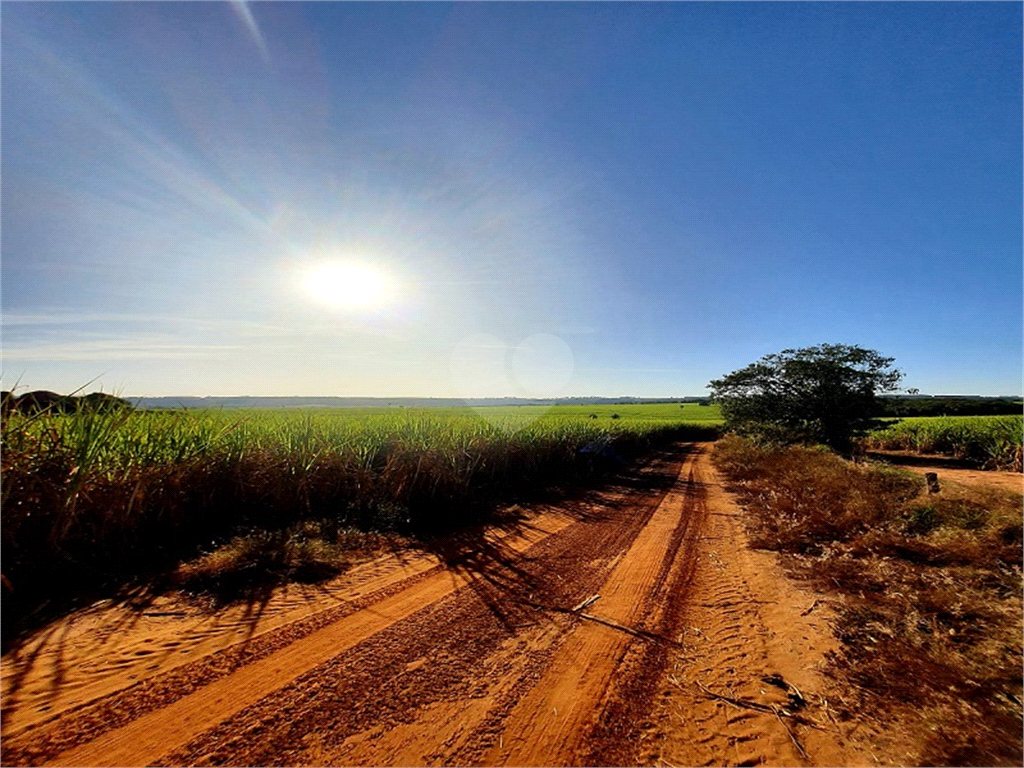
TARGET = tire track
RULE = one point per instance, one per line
(336, 715)
(149, 737)
(163, 725)
(559, 713)
(623, 723)
(37, 743)
(748, 633)
(65, 675)
(464, 730)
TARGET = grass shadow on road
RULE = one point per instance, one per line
(249, 571)
(511, 580)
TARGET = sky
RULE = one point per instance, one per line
(391, 199)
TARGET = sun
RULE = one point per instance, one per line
(348, 285)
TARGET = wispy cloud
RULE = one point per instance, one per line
(241, 8)
(42, 325)
(119, 349)
(63, 318)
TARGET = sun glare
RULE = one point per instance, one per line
(348, 285)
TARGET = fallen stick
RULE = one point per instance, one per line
(766, 708)
(628, 630)
(649, 636)
(741, 703)
(800, 698)
(589, 601)
(792, 736)
(813, 605)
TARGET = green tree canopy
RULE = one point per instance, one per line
(824, 394)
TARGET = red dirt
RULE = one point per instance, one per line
(470, 655)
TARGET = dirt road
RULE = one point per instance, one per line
(689, 648)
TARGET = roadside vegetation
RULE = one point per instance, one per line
(928, 588)
(991, 442)
(100, 499)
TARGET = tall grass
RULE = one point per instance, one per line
(94, 497)
(994, 442)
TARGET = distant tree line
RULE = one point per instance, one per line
(949, 406)
(43, 400)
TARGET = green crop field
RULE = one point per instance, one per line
(91, 492)
(991, 441)
(123, 442)
(690, 413)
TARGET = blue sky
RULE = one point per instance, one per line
(644, 196)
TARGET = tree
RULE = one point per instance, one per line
(824, 394)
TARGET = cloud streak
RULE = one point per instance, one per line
(114, 349)
(242, 10)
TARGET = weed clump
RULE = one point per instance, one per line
(251, 564)
(815, 499)
(930, 614)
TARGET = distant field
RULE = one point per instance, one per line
(686, 413)
(991, 441)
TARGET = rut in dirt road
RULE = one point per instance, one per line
(559, 715)
(447, 670)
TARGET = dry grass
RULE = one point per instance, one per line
(930, 618)
(252, 564)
